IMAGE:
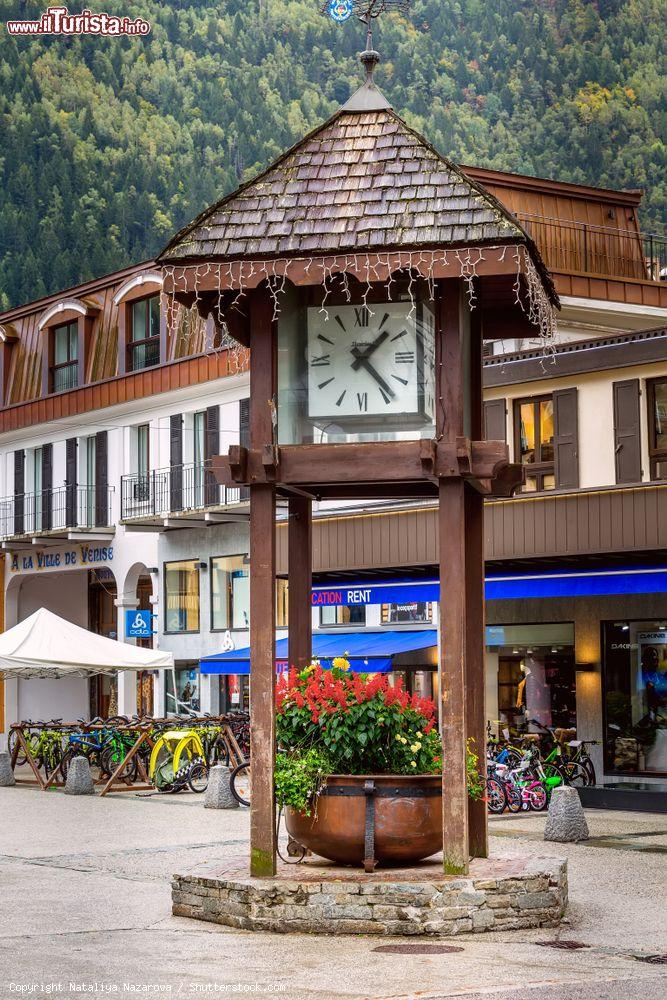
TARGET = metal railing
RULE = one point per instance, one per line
(580, 247)
(175, 490)
(59, 509)
(65, 377)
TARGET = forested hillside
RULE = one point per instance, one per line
(109, 145)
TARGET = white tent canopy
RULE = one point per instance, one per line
(47, 646)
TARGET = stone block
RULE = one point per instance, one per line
(482, 919)
(537, 900)
(566, 822)
(79, 779)
(6, 774)
(218, 794)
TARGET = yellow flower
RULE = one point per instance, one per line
(413, 763)
(418, 745)
(399, 737)
(403, 739)
(414, 747)
(340, 663)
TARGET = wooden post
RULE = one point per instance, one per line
(299, 543)
(475, 682)
(451, 532)
(262, 593)
(453, 590)
(475, 666)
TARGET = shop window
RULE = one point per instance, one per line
(181, 586)
(187, 697)
(657, 423)
(234, 693)
(635, 696)
(353, 615)
(143, 347)
(409, 613)
(230, 593)
(534, 442)
(282, 606)
(65, 354)
(535, 677)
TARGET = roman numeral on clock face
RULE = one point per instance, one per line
(362, 316)
(362, 399)
(404, 357)
(324, 359)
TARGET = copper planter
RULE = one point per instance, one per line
(373, 819)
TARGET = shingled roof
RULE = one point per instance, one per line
(364, 180)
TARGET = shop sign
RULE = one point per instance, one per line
(82, 556)
(138, 624)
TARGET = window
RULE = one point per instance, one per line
(408, 613)
(635, 696)
(230, 593)
(187, 689)
(534, 442)
(144, 337)
(65, 367)
(282, 605)
(181, 587)
(353, 615)
(657, 424)
(91, 456)
(535, 671)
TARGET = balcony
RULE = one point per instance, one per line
(182, 496)
(580, 248)
(67, 513)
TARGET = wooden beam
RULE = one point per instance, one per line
(300, 577)
(451, 551)
(474, 680)
(262, 594)
(450, 422)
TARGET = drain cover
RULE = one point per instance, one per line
(652, 959)
(417, 949)
(563, 945)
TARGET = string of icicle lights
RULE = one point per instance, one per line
(369, 270)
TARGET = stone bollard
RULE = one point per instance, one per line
(79, 779)
(7, 778)
(566, 822)
(218, 794)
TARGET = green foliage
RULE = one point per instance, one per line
(109, 145)
(299, 778)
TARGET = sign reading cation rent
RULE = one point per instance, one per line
(76, 558)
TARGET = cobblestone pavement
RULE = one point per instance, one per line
(85, 903)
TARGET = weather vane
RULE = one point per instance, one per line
(366, 10)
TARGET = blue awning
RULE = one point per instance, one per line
(557, 583)
(368, 652)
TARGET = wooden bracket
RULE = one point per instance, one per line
(464, 455)
(237, 458)
(270, 461)
(428, 452)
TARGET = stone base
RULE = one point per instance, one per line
(317, 897)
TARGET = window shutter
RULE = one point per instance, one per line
(71, 446)
(566, 439)
(495, 425)
(244, 437)
(19, 490)
(101, 479)
(212, 447)
(627, 434)
(47, 487)
(176, 462)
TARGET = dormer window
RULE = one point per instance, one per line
(65, 353)
(143, 344)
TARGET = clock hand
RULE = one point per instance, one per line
(365, 354)
(363, 362)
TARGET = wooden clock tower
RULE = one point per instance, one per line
(363, 271)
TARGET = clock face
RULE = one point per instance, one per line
(370, 361)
